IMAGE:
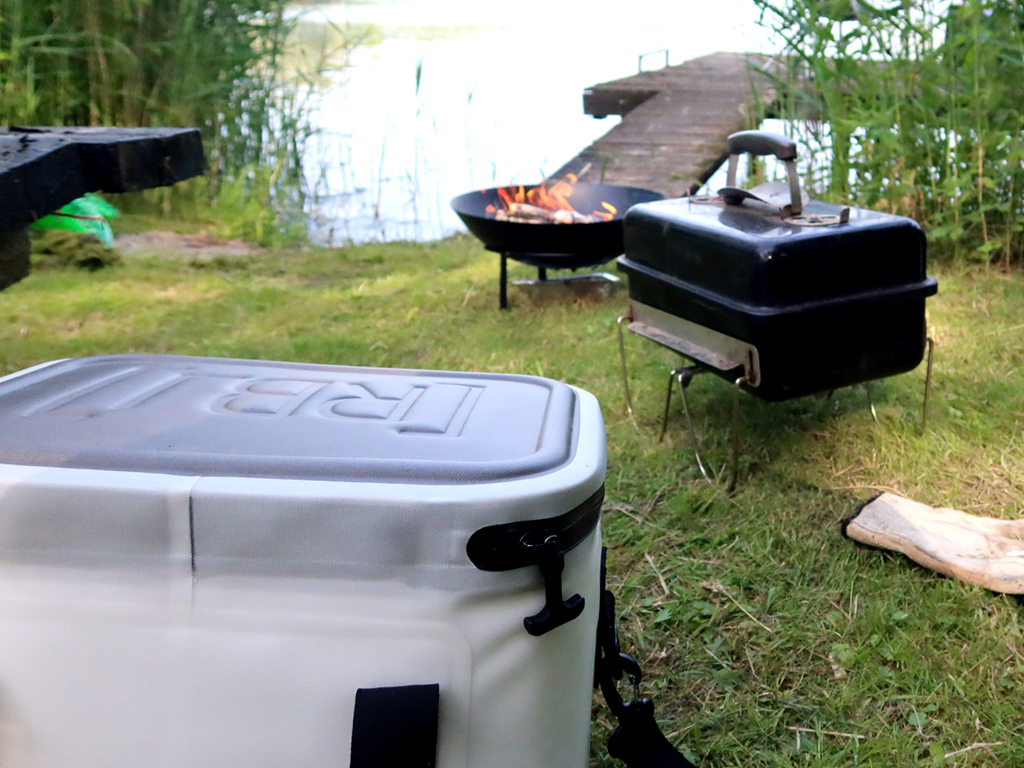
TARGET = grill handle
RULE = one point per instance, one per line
(767, 143)
(762, 143)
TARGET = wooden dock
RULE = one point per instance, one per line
(675, 122)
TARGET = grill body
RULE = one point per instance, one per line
(797, 307)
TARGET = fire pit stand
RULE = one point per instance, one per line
(543, 262)
(542, 274)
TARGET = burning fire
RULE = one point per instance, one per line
(544, 204)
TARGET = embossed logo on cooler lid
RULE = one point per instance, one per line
(245, 418)
(416, 408)
(436, 409)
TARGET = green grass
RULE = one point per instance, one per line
(750, 613)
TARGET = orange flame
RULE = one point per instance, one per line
(553, 198)
(608, 213)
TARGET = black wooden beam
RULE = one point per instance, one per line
(44, 169)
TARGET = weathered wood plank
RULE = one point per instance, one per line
(675, 123)
(15, 257)
(37, 176)
(614, 101)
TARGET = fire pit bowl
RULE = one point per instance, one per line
(597, 242)
(552, 246)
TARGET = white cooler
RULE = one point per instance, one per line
(227, 564)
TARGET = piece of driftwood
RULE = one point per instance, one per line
(524, 213)
(979, 550)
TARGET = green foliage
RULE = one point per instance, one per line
(919, 104)
(254, 206)
(224, 66)
(134, 62)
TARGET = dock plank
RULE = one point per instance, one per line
(675, 122)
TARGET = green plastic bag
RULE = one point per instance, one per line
(87, 215)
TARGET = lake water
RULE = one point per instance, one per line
(460, 94)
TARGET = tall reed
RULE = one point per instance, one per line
(213, 64)
(918, 105)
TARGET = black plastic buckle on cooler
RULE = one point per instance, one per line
(543, 543)
(638, 740)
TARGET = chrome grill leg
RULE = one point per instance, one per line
(737, 388)
(625, 373)
(871, 401)
(927, 385)
(683, 376)
(668, 401)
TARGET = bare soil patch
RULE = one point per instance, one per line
(191, 247)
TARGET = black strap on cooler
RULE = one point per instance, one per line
(638, 741)
(395, 727)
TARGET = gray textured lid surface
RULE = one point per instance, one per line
(240, 418)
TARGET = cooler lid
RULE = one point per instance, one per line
(240, 418)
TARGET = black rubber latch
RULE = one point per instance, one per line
(395, 727)
(508, 546)
(543, 543)
(556, 611)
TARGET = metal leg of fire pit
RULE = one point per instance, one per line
(684, 376)
(927, 385)
(542, 273)
(503, 283)
(625, 373)
(871, 401)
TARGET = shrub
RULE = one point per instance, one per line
(919, 109)
(215, 64)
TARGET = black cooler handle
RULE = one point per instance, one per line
(767, 143)
(508, 546)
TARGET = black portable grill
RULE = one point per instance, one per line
(551, 246)
(783, 297)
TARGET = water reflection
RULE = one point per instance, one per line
(453, 95)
